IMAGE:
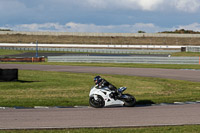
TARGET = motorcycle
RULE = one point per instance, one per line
(104, 97)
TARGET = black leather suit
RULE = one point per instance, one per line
(105, 83)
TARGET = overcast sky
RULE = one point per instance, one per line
(120, 16)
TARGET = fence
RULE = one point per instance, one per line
(125, 59)
(108, 46)
(193, 49)
(112, 51)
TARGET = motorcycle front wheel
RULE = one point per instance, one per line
(129, 101)
(99, 103)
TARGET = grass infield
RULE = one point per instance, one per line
(36, 88)
(41, 88)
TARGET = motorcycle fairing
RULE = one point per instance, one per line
(105, 93)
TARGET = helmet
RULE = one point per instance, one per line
(97, 79)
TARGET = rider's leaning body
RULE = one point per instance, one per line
(101, 83)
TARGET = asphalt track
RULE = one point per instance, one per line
(189, 75)
(106, 117)
(40, 54)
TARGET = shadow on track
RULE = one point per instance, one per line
(140, 103)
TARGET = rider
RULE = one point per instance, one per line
(100, 82)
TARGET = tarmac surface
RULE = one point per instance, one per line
(189, 75)
(46, 54)
(106, 117)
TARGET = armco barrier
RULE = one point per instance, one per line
(193, 49)
(88, 50)
(125, 59)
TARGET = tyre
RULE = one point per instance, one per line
(129, 101)
(99, 103)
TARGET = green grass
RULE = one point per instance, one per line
(164, 129)
(10, 52)
(13, 52)
(186, 54)
(131, 65)
(40, 88)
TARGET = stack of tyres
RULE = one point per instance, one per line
(8, 74)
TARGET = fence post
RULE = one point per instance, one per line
(36, 49)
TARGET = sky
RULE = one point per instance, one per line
(102, 16)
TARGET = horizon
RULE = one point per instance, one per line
(100, 16)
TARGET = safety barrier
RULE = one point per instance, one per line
(8, 75)
(117, 46)
(193, 49)
(125, 59)
(85, 50)
(32, 59)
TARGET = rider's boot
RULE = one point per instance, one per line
(115, 94)
(118, 94)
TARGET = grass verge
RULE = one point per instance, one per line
(40, 88)
(186, 54)
(163, 129)
(10, 52)
(131, 65)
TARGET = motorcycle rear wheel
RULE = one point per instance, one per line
(130, 101)
(99, 103)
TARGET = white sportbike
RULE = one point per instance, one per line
(104, 97)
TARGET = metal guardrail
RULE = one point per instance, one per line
(110, 46)
(193, 49)
(125, 59)
(85, 50)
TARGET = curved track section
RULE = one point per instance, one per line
(106, 117)
(189, 75)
